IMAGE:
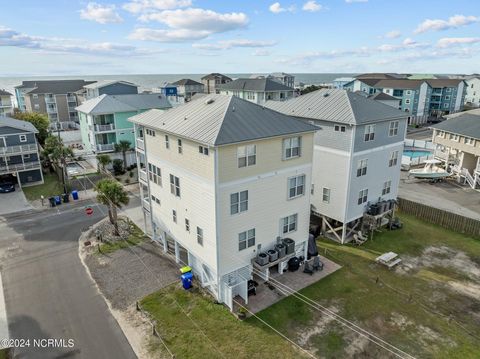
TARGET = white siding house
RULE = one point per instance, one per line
(472, 96)
(257, 90)
(218, 177)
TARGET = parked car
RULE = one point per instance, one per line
(6, 187)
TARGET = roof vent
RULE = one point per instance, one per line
(233, 108)
(209, 101)
(185, 118)
(326, 94)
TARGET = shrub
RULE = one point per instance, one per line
(130, 174)
(127, 180)
(118, 167)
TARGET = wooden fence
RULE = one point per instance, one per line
(445, 219)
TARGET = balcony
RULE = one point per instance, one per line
(140, 144)
(50, 99)
(5, 104)
(12, 150)
(146, 204)
(142, 174)
(5, 169)
(51, 109)
(104, 128)
(108, 147)
(72, 98)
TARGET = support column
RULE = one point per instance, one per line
(165, 244)
(344, 229)
(177, 252)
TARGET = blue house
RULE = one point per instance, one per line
(19, 157)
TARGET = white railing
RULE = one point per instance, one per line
(419, 144)
(146, 204)
(5, 104)
(71, 99)
(19, 167)
(103, 128)
(105, 147)
(469, 178)
(49, 99)
(143, 175)
(140, 144)
(51, 109)
(17, 149)
(415, 161)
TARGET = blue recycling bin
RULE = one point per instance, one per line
(58, 200)
(75, 195)
(187, 280)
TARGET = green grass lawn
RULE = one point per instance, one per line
(51, 187)
(3, 353)
(231, 337)
(409, 310)
(136, 236)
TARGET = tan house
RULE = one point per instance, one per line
(457, 143)
(213, 80)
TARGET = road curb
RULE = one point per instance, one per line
(4, 333)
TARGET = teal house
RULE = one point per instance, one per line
(103, 119)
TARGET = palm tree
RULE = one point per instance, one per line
(112, 195)
(58, 153)
(123, 146)
(103, 161)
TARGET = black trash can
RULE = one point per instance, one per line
(66, 197)
(52, 201)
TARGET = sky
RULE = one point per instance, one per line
(71, 37)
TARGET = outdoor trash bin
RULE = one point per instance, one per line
(74, 195)
(187, 280)
(58, 200)
(185, 269)
(65, 198)
(52, 201)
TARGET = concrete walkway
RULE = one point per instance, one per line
(3, 316)
(446, 195)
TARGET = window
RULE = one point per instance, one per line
(446, 105)
(409, 92)
(150, 132)
(393, 159)
(393, 129)
(175, 185)
(35, 96)
(407, 101)
(156, 200)
(154, 174)
(296, 186)
(26, 157)
(362, 196)
(180, 148)
(246, 239)
(326, 195)
(23, 138)
(200, 236)
(289, 224)
(203, 150)
(369, 133)
(469, 141)
(386, 188)
(447, 97)
(250, 95)
(454, 137)
(187, 225)
(441, 134)
(174, 216)
(167, 142)
(339, 128)
(291, 147)
(362, 168)
(449, 89)
(36, 106)
(238, 202)
(247, 155)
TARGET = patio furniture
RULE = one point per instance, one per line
(389, 259)
(317, 264)
(359, 238)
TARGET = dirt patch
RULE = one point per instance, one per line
(320, 327)
(465, 288)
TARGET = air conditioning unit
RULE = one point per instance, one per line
(262, 259)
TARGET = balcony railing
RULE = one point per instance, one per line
(105, 147)
(51, 109)
(5, 104)
(10, 150)
(146, 204)
(19, 167)
(71, 99)
(143, 175)
(49, 99)
(140, 144)
(104, 128)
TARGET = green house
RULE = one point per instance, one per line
(103, 120)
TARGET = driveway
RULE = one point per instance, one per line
(13, 202)
(48, 293)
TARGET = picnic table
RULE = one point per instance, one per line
(389, 259)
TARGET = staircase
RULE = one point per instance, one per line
(472, 181)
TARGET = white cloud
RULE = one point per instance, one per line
(276, 8)
(393, 34)
(261, 52)
(102, 14)
(452, 22)
(175, 35)
(406, 44)
(228, 44)
(353, 1)
(312, 6)
(141, 6)
(12, 38)
(457, 41)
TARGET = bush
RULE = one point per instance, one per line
(130, 174)
(127, 180)
(118, 167)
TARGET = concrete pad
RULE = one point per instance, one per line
(3, 316)
(293, 280)
(13, 202)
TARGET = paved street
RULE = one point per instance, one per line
(48, 293)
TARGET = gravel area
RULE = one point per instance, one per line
(129, 274)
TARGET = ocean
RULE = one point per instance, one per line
(150, 81)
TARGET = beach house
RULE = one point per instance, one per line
(257, 90)
(6, 105)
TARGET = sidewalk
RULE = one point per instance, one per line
(3, 316)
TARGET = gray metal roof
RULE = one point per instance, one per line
(221, 119)
(187, 82)
(256, 85)
(18, 124)
(337, 105)
(103, 83)
(443, 82)
(382, 96)
(399, 84)
(215, 75)
(55, 86)
(5, 93)
(465, 124)
(123, 103)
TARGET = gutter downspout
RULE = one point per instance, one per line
(349, 177)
